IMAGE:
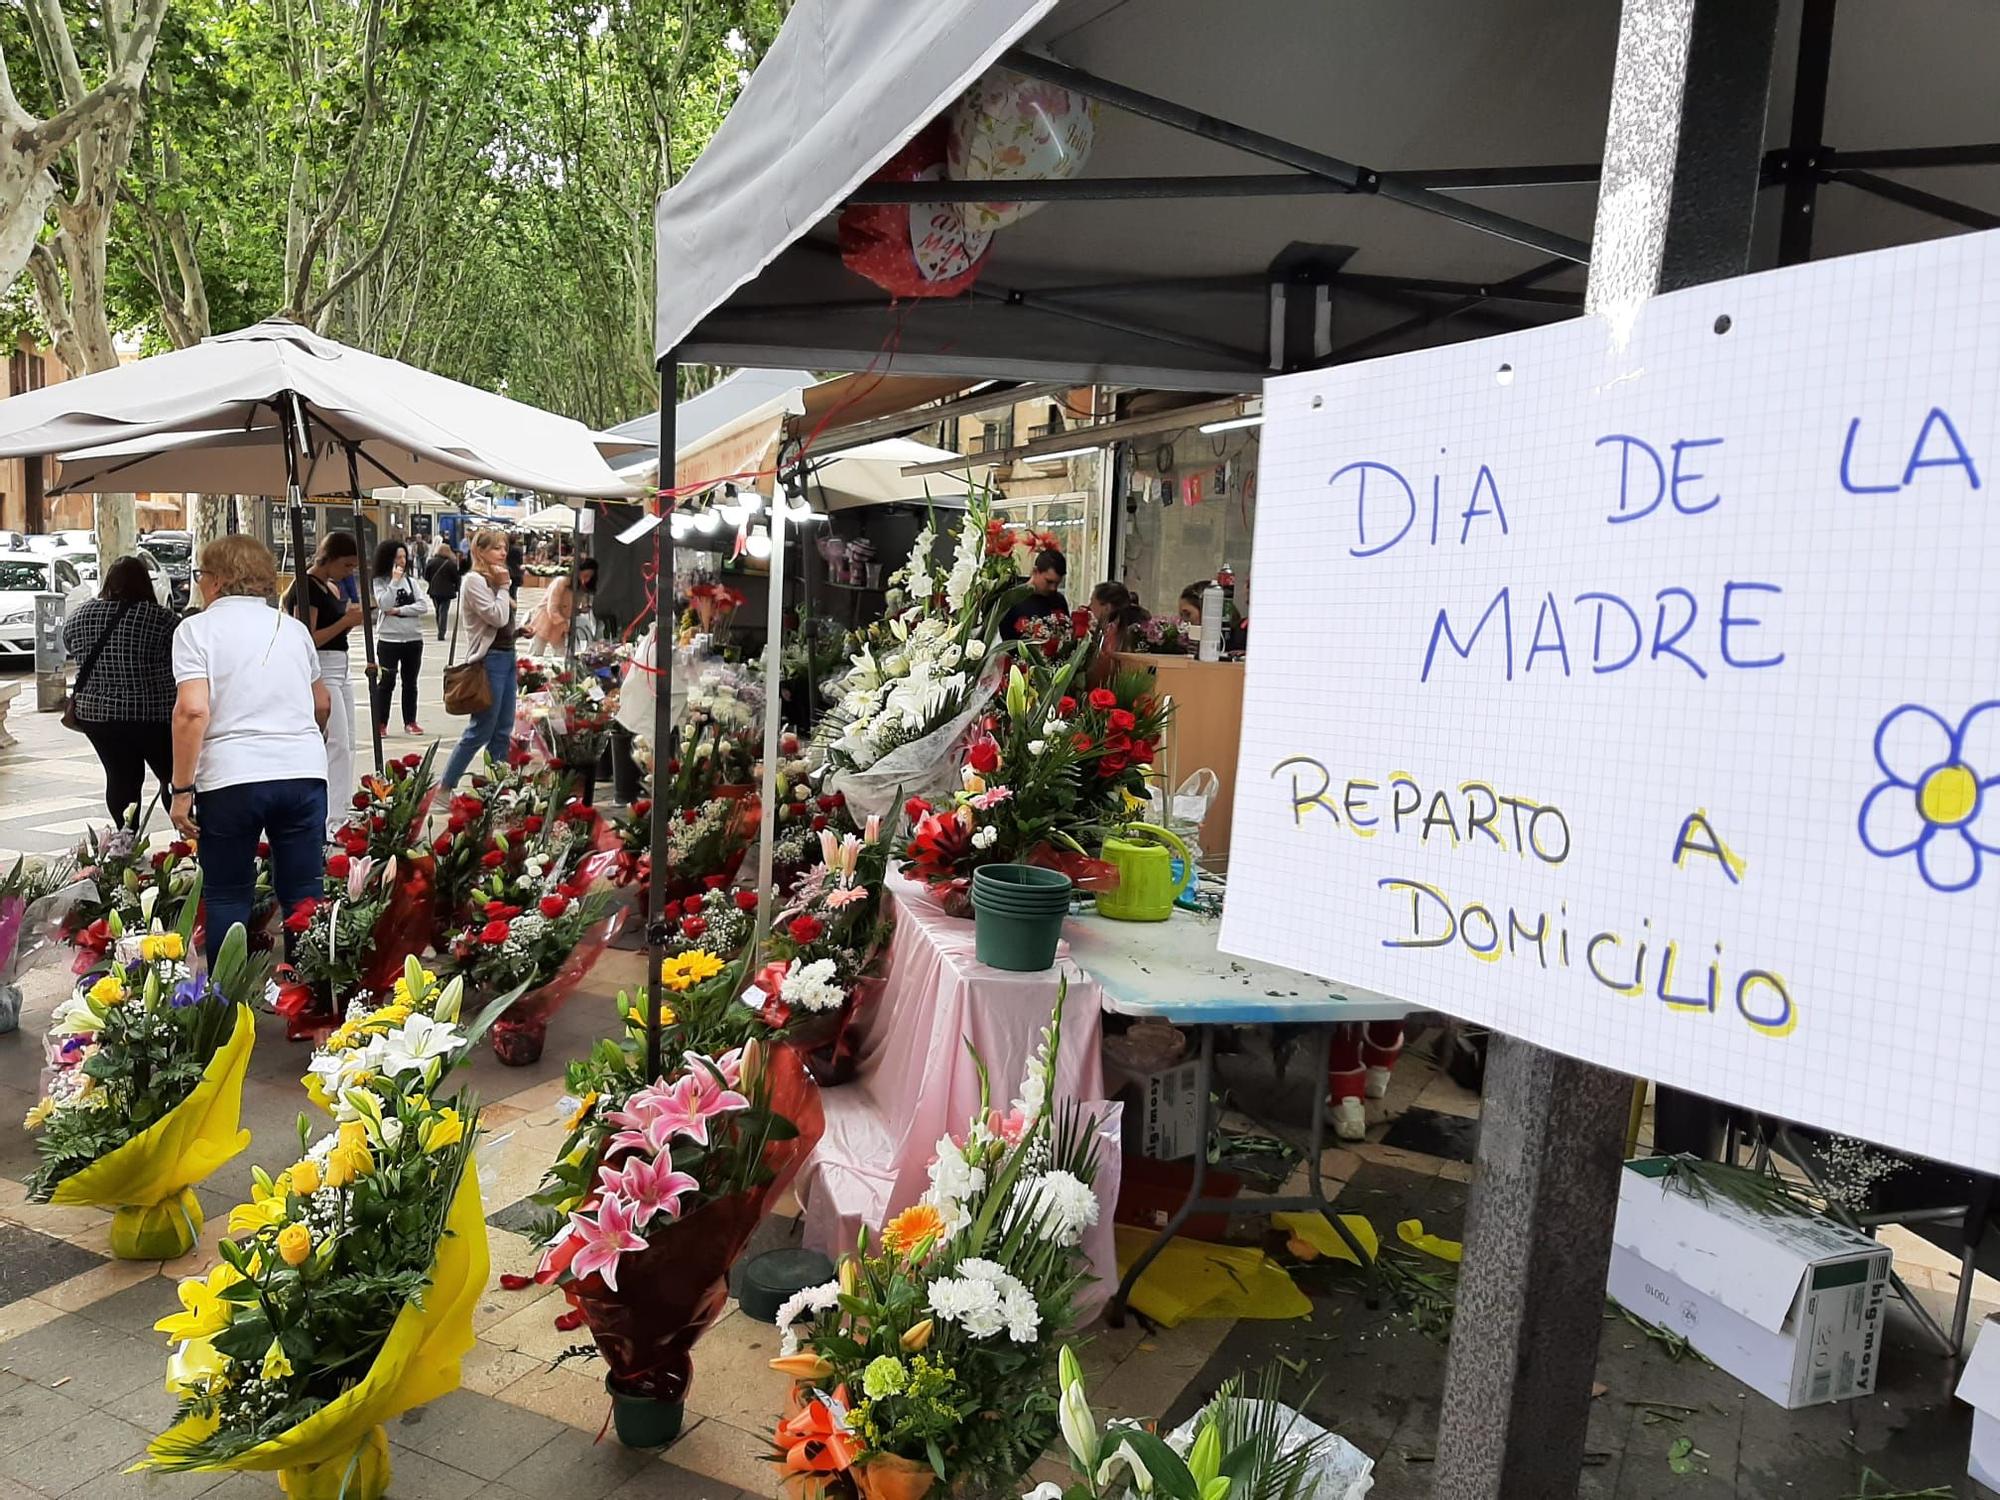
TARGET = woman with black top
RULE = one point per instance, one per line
(332, 617)
(124, 697)
(441, 578)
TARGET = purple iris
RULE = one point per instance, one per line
(73, 1045)
(190, 992)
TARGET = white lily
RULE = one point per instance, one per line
(416, 1044)
(1123, 1457)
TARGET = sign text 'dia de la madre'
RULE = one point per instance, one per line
(1633, 687)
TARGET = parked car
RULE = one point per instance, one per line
(63, 541)
(174, 551)
(85, 563)
(22, 577)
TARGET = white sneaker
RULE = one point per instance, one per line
(1350, 1120)
(1377, 1086)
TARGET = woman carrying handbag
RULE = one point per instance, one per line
(123, 702)
(486, 609)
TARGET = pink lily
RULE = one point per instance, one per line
(641, 1122)
(873, 829)
(605, 1238)
(650, 1188)
(694, 1101)
(358, 872)
(829, 849)
(850, 857)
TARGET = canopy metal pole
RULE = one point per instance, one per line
(292, 422)
(664, 815)
(373, 668)
(774, 656)
(1682, 160)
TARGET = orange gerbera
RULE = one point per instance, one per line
(913, 1230)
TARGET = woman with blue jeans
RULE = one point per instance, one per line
(250, 713)
(486, 612)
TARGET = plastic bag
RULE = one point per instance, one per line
(28, 928)
(1339, 1471)
(1182, 815)
(926, 767)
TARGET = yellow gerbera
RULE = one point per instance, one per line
(39, 1115)
(686, 970)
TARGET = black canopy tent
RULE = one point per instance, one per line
(1288, 185)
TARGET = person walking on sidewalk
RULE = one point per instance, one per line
(486, 613)
(248, 729)
(441, 579)
(336, 561)
(399, 633)
(125, 688)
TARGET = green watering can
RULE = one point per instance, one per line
(1146, 884)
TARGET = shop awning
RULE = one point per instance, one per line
(873, 474)
(1405, 172)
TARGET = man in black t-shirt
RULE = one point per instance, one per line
(1046, 580)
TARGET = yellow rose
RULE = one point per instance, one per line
(446, 1130)
(158, 945)
(295, 1243)
(305, 1177)
(108, 991)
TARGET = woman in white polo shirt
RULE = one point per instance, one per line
(249, 746)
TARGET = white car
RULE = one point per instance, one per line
(84, 561)
(22, 576)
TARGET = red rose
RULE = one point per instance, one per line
(984, 757)
(746, 900)
(353, 840)
(500, 911)
(1123, 719)
(553, 906)
(688, 815)
(671, 910)
(818, 823)
(532, 823)
(360, 799)
(413, 760)
(180, 848)
(642, 808)
(1111, 765)
(493, 858)
(673, 768)
(1066, 706)
(159, 858)
(1118, 744)
(337, 865)
(302, 915)
(693, 927)
(806, 928)
(828, 803)
(714, 882)
(915, 808)
(263, 849)
(494, 932)
(1143, 749)
(840, 799)
(443, 845)
(455, 823)
(1083, 742)
(1080, 621)
(1103, 698)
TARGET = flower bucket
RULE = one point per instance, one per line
(885, 1476)
(834, 1059)
(1018, 914)
(148, 1181)
(521, 1032)
(643, 1421)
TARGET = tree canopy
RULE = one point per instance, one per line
(464, 184)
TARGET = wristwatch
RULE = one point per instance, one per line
(179, 791)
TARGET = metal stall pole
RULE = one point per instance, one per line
(663, 706)
(1681, 165)
(292, 422)
(774, 656)
(373, 669)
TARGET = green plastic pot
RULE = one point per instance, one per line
(1009, 940)
(643, 1421)
(1021, 880)
(770, 1279)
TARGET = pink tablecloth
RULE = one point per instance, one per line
(916, 1082)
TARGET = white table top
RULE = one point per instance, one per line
(1172, 970)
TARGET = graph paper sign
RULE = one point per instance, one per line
(1636, 691)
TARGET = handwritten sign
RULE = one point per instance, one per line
(1635, 690)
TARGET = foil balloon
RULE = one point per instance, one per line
(1009, 128)
(920, 249)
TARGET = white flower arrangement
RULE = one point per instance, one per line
(985, 1298)
(814, 986)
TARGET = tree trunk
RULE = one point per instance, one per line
(26, 189)
(208, 519)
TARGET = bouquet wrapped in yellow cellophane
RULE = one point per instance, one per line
(344, 1296)
(146, 1088)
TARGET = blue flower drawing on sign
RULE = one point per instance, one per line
(1941, 801)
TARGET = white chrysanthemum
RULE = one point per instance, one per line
(1059, 1204)
(814, 1300)
(1024, 1318)
(813, 986)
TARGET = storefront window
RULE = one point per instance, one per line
(1188, 507)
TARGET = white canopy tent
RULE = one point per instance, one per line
(550, 518)
(1337, 136)
(872, 474)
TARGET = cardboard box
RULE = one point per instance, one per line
(1790, 1304)
(1979, 1387)
(1161, 1109)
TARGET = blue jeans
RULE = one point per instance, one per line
(291, 815)
(493, 730)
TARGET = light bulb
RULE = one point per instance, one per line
(751, 501)
(709, 522)
(758, 543)
(679, 525)
(731, 514)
